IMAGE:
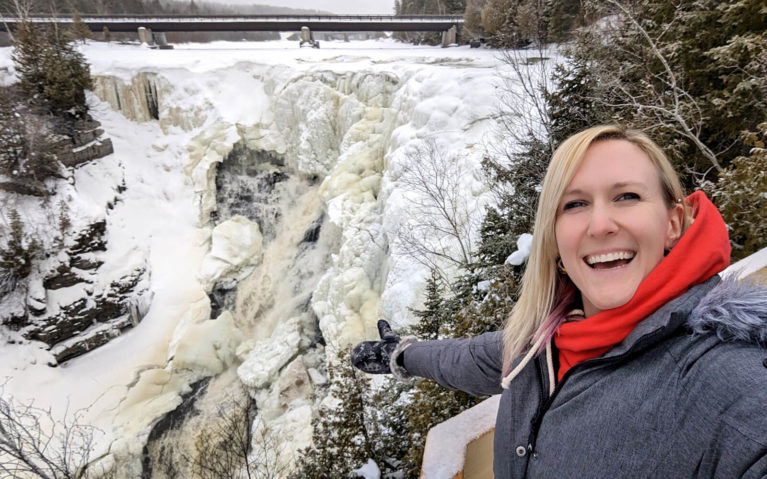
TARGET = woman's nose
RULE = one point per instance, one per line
(601, 221)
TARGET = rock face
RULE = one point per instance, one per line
(138, 100)
(186, 442)
(68, 302)
(88, 143)
(72, 309)
(82, 141)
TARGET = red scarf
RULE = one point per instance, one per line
(702, 251)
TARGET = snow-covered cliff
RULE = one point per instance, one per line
(264, 189)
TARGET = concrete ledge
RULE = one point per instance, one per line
(448, 444)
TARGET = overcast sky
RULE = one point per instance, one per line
(348, 7)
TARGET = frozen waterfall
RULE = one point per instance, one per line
(263, 190)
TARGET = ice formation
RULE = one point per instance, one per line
(327, 133)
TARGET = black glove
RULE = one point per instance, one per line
(373, 357)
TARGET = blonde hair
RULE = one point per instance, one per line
(544, 291)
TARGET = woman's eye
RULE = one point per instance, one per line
(572, 204)
(628, 196)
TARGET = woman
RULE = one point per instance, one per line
(626, 355)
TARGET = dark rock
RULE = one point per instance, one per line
(90, 239)
(72, 320)
(72, 349)
(170, 422)
(86, 132)
(36, 311)
(69, 322)
(85, 263)
(92, 151)
(222, 299)
(126, 284)
(246, 184)
(80, 141)
(312, 234)
(14, 320)
(25, 186)
(64, 278)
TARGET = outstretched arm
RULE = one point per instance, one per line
(471, 365)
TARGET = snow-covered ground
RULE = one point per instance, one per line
(347, 114)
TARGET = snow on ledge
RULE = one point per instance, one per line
(747, 266)
(445, 451)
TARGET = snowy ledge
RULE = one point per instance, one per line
(753, 265)
(447, 443)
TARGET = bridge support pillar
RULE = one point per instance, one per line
(306, 35)
(161, 41)
(449, 36)
(145, 36)
(307, 38)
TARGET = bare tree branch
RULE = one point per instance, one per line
(671, 104)
(33, 441)
(443, 225)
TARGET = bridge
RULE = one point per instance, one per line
(244, 23)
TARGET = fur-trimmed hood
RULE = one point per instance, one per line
(734, 311)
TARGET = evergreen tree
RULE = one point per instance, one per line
(340, 441)
(13, 148)
(573, 104)
(470, 312)
(433, 314)
(52, 73)
(80, 31)
(740, 196)
(690, 73)
(387, 420)
(27, 149)
(517, 181)
(693, 74)
(19, 251)
(488, 307)
(428, 7)
(564, 16)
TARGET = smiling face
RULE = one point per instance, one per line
(613, 224)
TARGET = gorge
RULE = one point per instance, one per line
(259, 191)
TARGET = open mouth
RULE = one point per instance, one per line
(610, 260)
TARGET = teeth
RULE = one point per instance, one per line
(604, 258)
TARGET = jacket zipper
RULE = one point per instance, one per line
(545, 403)
(540, 410)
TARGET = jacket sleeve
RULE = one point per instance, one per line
(470, 365)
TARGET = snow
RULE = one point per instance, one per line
(518, 257)
(235, 250)
(368, 471)
(445, 450)
(345, 113)
(747, 266)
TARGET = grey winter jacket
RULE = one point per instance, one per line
(684, 395)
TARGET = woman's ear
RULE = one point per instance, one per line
(675, 222)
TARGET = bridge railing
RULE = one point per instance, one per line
(168, 23)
